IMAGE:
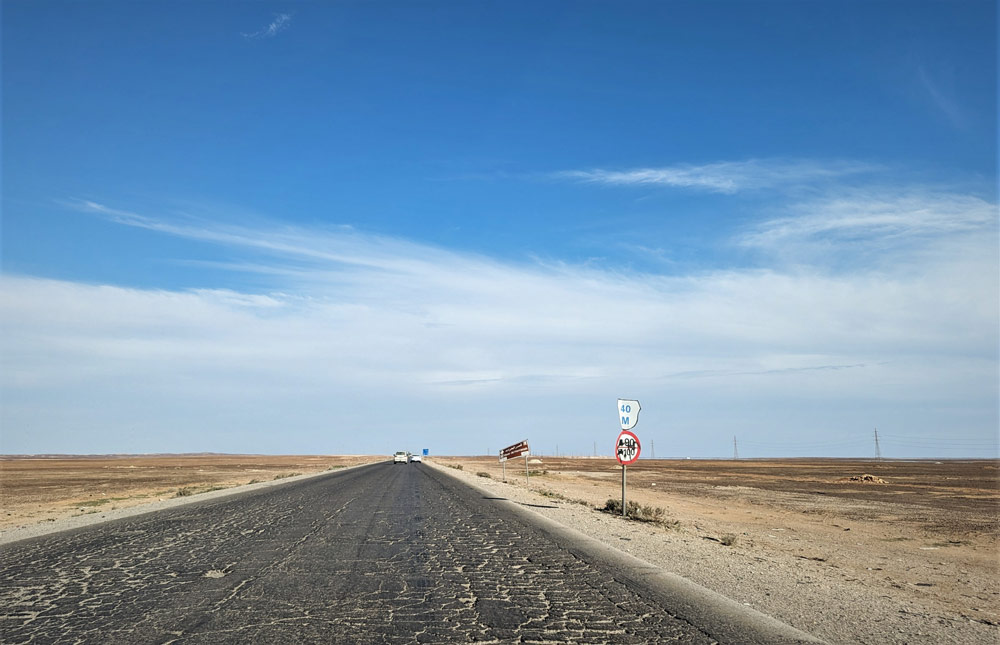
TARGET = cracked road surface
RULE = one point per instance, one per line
(380, 554)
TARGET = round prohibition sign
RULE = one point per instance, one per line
(627, 448)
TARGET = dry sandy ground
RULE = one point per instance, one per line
(47, 489)
(911, 560)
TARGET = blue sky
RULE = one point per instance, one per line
(370, 226)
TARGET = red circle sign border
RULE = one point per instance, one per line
(638, 448)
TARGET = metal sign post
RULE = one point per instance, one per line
(624, 468)
(518, 449)
(626, 452)
(627, 447)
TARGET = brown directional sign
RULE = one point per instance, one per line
(519, 449)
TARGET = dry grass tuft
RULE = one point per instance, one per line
(640, 513)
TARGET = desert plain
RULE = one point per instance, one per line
(51, 488)
(851, 550)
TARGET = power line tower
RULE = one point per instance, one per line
(736, 451)
(878, 451)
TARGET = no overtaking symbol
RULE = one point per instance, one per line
(627, 448)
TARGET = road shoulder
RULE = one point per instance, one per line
(799, 586)
(75, 522)
(723, 618)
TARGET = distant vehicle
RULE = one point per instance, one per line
(417, 459)
(400, 458)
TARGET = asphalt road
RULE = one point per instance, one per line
(380, 554)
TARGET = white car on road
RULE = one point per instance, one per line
(400, 458)
(417, 459)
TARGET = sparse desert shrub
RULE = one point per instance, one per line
(728, 539)
(651, 513)
(254, 481)
(455, 466)
(643, 513)
(285, 475)
(614, 506)
(185, 491)
(482, 474)
(544, 492)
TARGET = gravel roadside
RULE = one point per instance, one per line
(78, 521)
(807, 594)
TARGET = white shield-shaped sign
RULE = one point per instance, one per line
(628, 410)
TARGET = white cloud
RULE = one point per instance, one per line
(724, 176)
(879, 216)
(281, 22)
(403, 339)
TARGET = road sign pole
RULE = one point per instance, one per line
(504, 462)
(624, 468)
(526, 471)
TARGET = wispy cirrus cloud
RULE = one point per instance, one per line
(886, 216)
(725, 176)
(944, 101)
(840, 214)
(281, 22)
(380, 252)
